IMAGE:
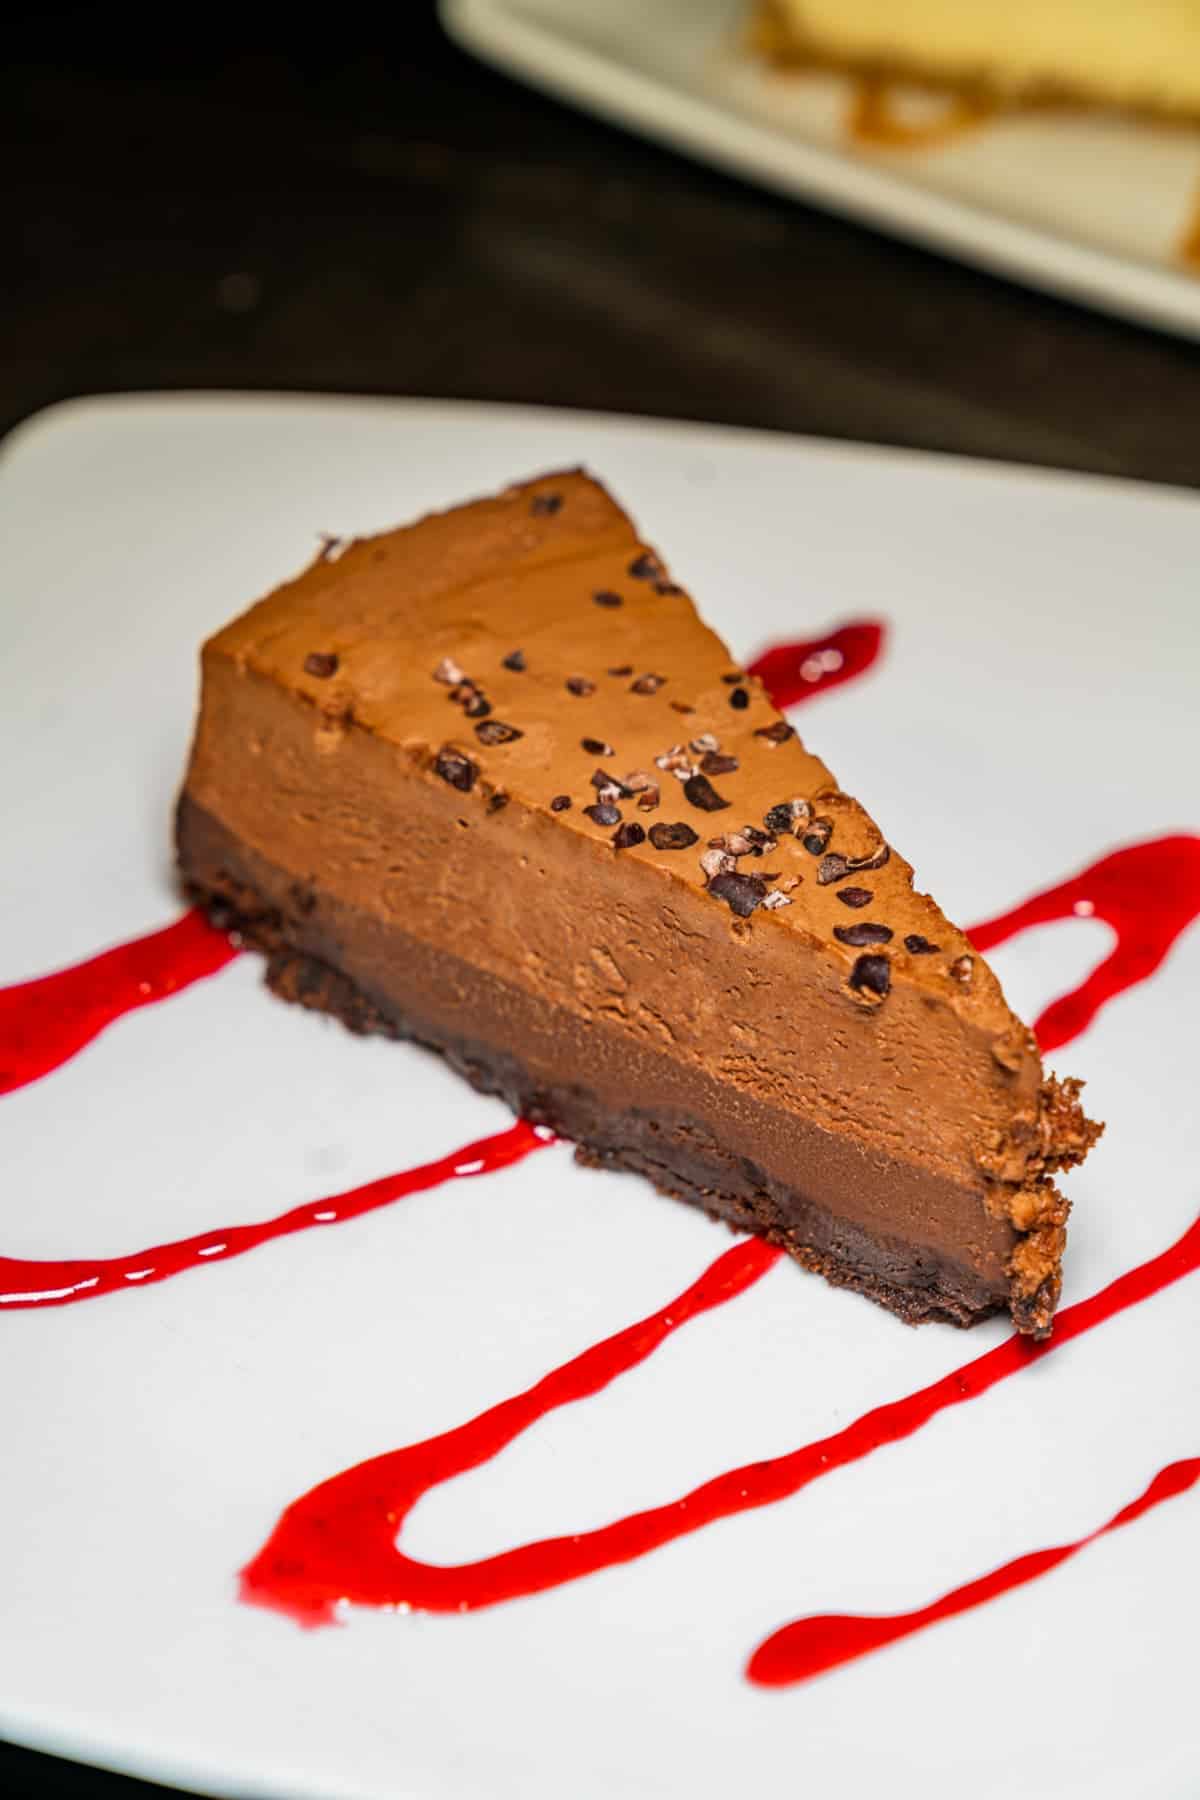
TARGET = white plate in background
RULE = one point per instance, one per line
(1036, 705)
(1083, 204)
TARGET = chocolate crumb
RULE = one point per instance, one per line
(494, 731)
(596, 747)
(667, 587)
(742, 893)
(914, 943)
(622, 669)
(606, 597)
(778, 733)
(816, 838)
(738, 675)
(545, 505)
(962, 968)
(449, 672)
(678, 836)
(560, 803)
(739, 699)
(498, 801)
(647, 684)
(701, 792)
(515, 660)
(455, 768)
(645, 567)
(321, 663)
(627, 835)
(863, 933)
(603, 813)
(856, 896)
(579, 684)
(872, 975)
(714, 762)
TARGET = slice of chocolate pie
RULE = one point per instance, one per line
(490, 783)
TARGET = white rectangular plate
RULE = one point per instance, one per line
(1036, 706)
(1086, 205)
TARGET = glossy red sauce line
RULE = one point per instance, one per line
(44, 1023)
(58, 1283)
(796, 671)
(812, 1646)
(1148, 893)
(338, 1542)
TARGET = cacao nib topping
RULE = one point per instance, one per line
(706, 741)
(477, 705)
(742, 893)
(647, 684)
(608, 787)
(779, 819)
(832, 868)
(701, 792)
(647, 799)
(871, 975)
(515, 660)
(962, 968)
(449, 672)
(321, 664)
(543, 506)
(736, 843)
(498, 801)
(778, 733)
(714, 762)
(561, 803)
(856, 897)
(606, 597)
(645, 567)
(681, 706)
(863, 933)
(774, 901)
(330, 546)
(622, 669)
(816, 838)
(732, 680)
(627, 835)
(739, 699)
(679, 836)
(579, 684)
(667, 587)
(455, 768)
(861, 864)
(914, 943)
(638, 782)
(596, 747)
(603, 813)
(716, 862)
(494, 731)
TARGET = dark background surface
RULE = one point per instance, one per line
(275, 206)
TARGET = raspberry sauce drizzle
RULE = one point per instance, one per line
(25, 1283)
(813, 1646)
(44, 1023)
(338, 1541)
(795, 672)
(1148, 893)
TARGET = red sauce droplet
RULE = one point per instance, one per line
(44, 1023)
(796, 671)
(1149, 894)
(1189, 241)
(812, 1646)
(24, 1283)
(337, 1543)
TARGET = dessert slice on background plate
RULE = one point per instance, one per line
(489, 782)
